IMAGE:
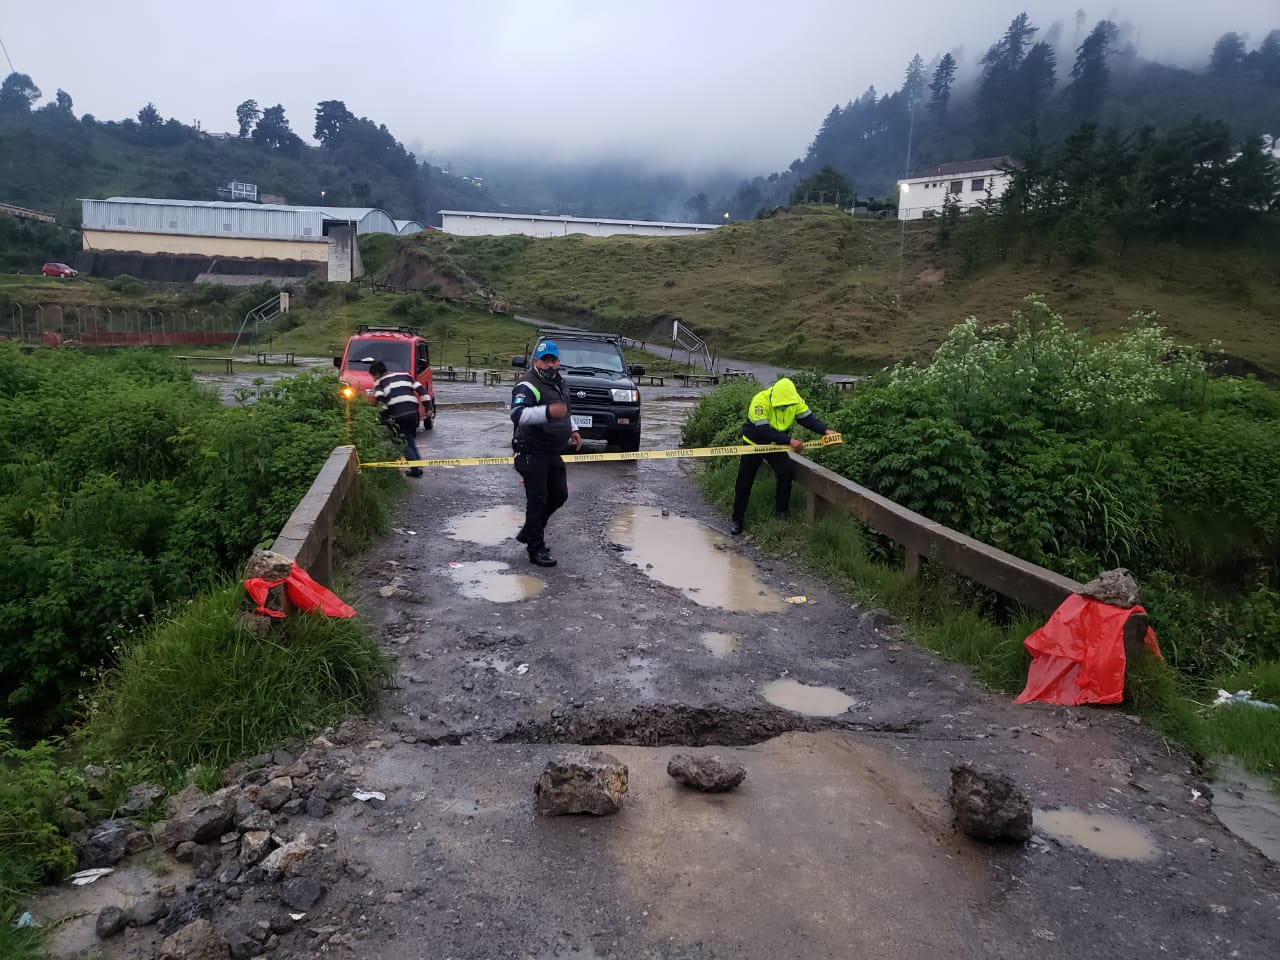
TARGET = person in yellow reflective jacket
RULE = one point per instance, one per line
(770, 416)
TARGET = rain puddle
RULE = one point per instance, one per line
(72, 911)
(488, 527)
(697, 561)
(721, 644)
(802, 698)
(1247, 806)
(1112, 837)
(488, 580)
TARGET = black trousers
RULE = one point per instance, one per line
(748, 466)
(546, 488)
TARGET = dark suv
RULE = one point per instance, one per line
(603, 399)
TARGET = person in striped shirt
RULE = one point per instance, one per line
(398, 395)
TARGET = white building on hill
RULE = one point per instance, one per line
(471, 223)
(970, 182)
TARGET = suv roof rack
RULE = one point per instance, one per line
(578, 335)
(376, 328)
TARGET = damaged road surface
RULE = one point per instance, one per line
(657, 634)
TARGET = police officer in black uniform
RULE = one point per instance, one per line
(543, 428)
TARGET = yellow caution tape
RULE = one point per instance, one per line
(682, 454)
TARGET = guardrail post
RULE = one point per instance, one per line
(911, 562)
(815, 508)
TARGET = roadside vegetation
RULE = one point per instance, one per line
(131, 499)
(1079, 454)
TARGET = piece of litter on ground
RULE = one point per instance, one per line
(369, 795)
(453, 563)
(522, 669)
(797, 599)
(27, 920)
(88, 876)
(1195, 794)
(1242, 698)
(295, 917)
(412, 533)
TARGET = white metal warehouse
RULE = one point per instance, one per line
(477, 223)
(244, 230)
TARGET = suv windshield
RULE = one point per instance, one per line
(590, 355)
(394, 353)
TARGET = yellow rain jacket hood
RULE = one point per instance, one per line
(772, 413)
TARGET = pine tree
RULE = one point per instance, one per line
(247, 114)
(1091, 77)
(1036, 78)
(149, 117)
(1263, 64)
(940, 88)
(1000, 70)
(273, 130)
(1227, 59)
(332, 120)
(913, 84)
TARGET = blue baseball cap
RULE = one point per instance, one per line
(547, 348)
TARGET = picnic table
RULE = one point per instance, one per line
(494, 378)
(227, 360)
(698, 379)
(286, 358)
(449, 373)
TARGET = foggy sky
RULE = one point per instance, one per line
(679, 84)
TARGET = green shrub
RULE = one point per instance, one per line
(126, 283)
(96, 537)
(35, 819)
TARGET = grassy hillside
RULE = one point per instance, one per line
(817, 287)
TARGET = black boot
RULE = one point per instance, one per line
(542, 558)
(736, 529)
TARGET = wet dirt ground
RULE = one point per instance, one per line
(658, 633)
(838, 844)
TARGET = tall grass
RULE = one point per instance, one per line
(199, 689)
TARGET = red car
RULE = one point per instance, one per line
(57, 270)
(400, 348)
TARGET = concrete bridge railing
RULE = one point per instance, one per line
(307, 535)
(921, 538)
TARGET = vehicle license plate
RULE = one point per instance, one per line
(579, 421)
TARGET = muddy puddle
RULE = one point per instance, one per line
(1247, 806)
(72, 911)
(492, 580)
(692, 558)
(488, 528)
(802, 698)
(1112, 837)
(721, 645)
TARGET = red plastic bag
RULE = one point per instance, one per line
(303, 592)
(1078, 656)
